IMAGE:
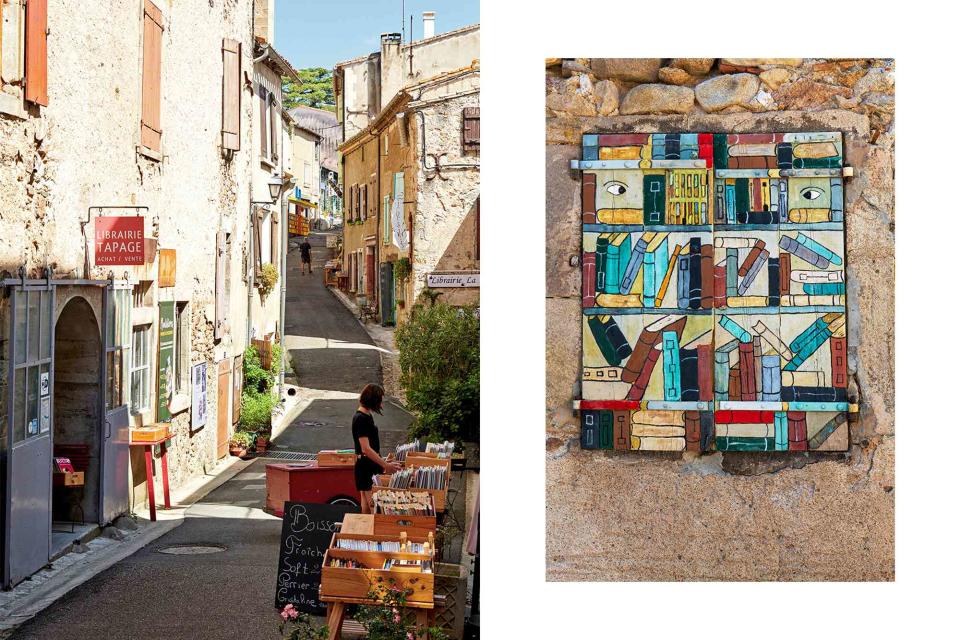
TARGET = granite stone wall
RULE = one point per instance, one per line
(725, 516)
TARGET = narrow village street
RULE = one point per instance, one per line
(229, 593)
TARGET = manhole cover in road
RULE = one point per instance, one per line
(191, 549)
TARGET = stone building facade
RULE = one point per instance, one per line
(725, 516)
(431, 89)
(116, 121)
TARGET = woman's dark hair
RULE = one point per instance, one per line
(372, 397)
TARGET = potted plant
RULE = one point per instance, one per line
(240, 443)
(263, 441)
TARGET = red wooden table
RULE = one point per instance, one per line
(151, 471)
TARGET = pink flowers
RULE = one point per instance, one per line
(289, 613)
(410, 635)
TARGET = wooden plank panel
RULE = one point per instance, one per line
(231, 94)
(36, 52)
(150, 129)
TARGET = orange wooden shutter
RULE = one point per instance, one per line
(152, 44)
(35, 65)
(231, 95)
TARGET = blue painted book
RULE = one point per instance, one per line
(824, 288)
(732, 267)
(671, 366)
(649, 280)
(633, 266)
(618, 252)
(780, 430)
(721, 370)
(806, 344)
(770, 378)
(590, 430)
(661, 258)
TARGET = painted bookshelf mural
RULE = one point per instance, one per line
(714, 292)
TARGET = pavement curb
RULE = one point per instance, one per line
(22, 609)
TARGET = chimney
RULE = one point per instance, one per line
(428, 22)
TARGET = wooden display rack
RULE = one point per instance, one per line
(340, 586)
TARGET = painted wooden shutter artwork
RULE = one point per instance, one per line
(471, 128)
(35, 63)
(150, 130)
(231, 94)
(714, 292)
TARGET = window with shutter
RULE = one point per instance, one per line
(150, 130)
(471, 129)
(36, 52)
(274, 115)
(264, 131)
(257, 257)
(11, 43)
(231, 95)
(274, 241)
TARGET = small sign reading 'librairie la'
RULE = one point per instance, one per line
(460, 279)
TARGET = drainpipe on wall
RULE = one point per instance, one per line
(285, 223)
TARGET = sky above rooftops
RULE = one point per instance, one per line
(321, 33)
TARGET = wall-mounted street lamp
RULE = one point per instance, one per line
(275, 183)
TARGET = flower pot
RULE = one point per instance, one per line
(262, 443)
(238, 451)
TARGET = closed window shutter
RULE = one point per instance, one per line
(471, 128)
(273, 128)
(150, 130)
(363, 202)
(257, 243)
(262, 94)
(221, 291)
(274, 241)
(231, 95)
(36, 52)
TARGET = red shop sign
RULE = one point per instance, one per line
(119, 241)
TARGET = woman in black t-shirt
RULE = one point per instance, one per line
(366, 443)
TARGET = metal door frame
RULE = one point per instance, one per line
(23, 285)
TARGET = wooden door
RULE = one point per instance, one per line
(223, 405)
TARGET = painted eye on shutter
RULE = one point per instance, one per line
(616, 188)
(811, 193)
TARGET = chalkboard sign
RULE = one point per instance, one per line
(306, 534)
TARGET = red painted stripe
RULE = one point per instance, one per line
(609, 404)
(623, 139)
(744, 417)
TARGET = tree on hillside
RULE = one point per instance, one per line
(316, 90)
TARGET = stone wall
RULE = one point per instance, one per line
(744, 516)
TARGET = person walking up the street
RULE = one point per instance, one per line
(366, 443)
(305, 256)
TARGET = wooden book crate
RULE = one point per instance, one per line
(358, 583)
(439, 495)
(416, 526)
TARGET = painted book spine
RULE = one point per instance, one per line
(743, 417)
(704, 372)
(732, 268)
(836, 200)
(819, 249)
(683, 282)
(590, 429)
(780, 441)
(807, 343)
(633, 266)
(671, 366)
(589, 198)
(689, 375)
(770, 377)
(782, 200)
(612, 279)
(696, 287)
(706, 276)
(621, 430)
(814, 394)
(784, 274)
(645, 343)
(790, 245)
(720, 208)
(606, 429)
(589, 279)
(661, 259)
(671, 265)
(733, 383)
(649, 280)
(610, 339)
(734, 329)
(773, 281)
(721, 375)
(838, 361)
(797, 430)
(751, 275)
(720, 286)
(748, 380)
(825, 289)
(640, 384)
(601, 261)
